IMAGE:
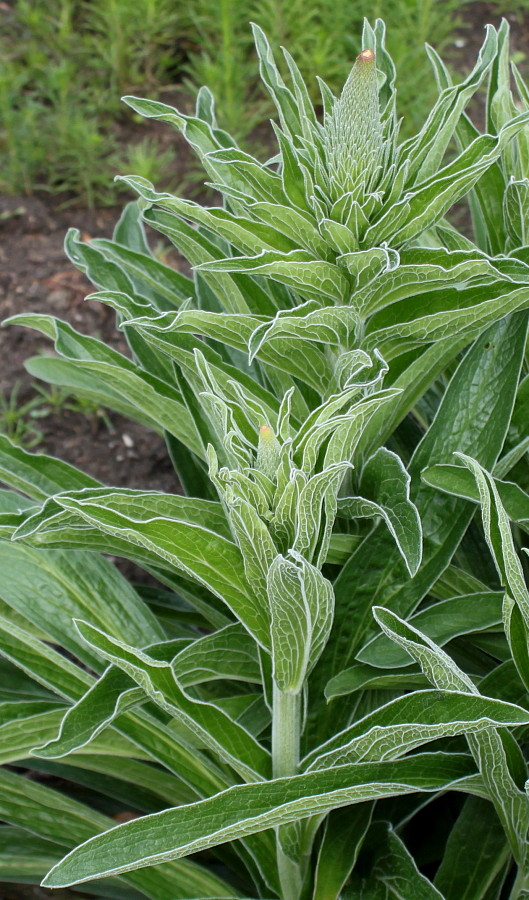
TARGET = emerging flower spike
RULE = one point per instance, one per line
(354, 139)
(268, 451)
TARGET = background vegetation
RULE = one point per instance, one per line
(64, 64)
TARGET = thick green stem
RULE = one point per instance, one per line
(519, 888)
(286, 721)
(285, 733)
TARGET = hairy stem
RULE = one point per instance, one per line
(286, 720)
(285, 733)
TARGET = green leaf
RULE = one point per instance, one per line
(312, 278)
(294, 357)
(411, 720)
(38, 475)
(475, 315)
(227, 653)
(52, 587)
(429, 201)
(361, 676)
(397, 870)
(474, 412)
(55, 817)
(499, 537)
(476, 852)
(105, 375)
(345, 831)
(246, 809)
(24, 857)
(512, 806)
(52, 670)
(459, 481)
(428, 147)
(244, 233)
(442, 621)
(215, 729)
(202, 554)
(384, 490)
(149, 278)
(109, 697)
(301, 606)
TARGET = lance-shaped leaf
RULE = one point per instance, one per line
(29, 727)
(345, 831)
(499, 537)
(24, 857)
(202, 554)
(57, 674)
(328, 325)
(218, 731)
(36, 474)
(293, 356)
(316, 511)
(384, 490)
(246, 809)
(474, 313)
(246, 174)
(54, 816)
(424, 271)
(428, 202)
(298, 224)
(199, 131)
(362, 676)
(341, 430)
(500, 541)
(110, 696)
(285, 102)
(198, 249)
(476, 853)
(460, 481)
(442, 622)
(511, 804)
(49, 588)
(475, 411)
(427, 149)
(257, 547)
(409, 721)
(298, 269)
(227, 653)
(395, 870)
(150, 278)
(244, 233)
(103, 373)
(301, 607)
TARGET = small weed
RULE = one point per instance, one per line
(16, 418)
(149, 161)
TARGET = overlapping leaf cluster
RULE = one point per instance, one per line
(333, 657)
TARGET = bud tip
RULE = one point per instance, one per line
(366, 56)
(266, 433)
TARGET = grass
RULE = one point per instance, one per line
(64, 64)
(19, 418)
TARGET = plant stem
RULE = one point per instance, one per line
(285, 758)
(285, 733)
(518, 890)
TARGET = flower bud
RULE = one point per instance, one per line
(268, 452)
